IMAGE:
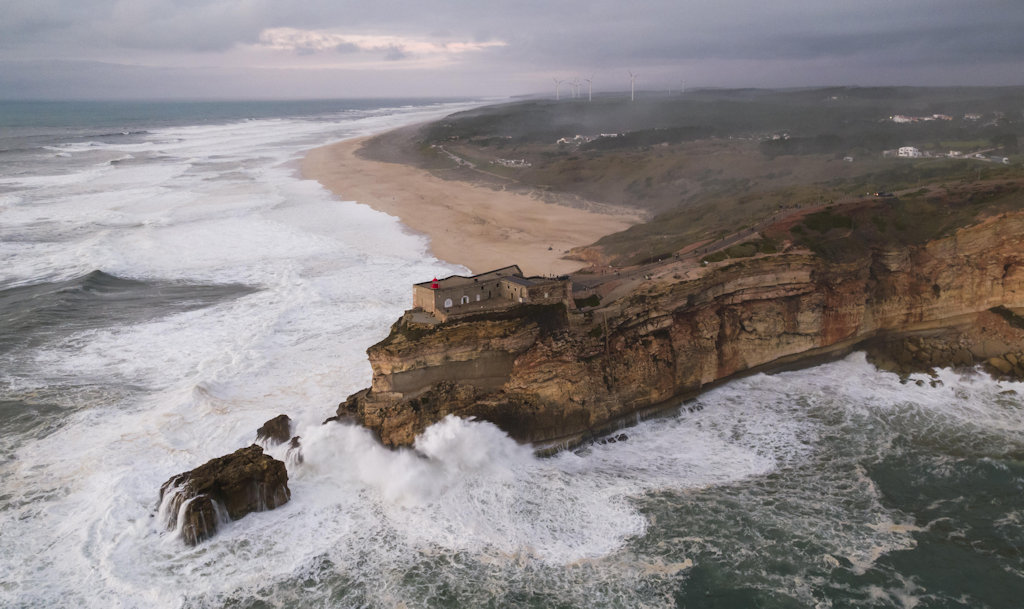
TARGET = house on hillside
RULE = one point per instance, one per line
(494, 290)
(909, 152)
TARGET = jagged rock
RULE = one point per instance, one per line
(399, 427)
(294, 454)
(226, 488)
(276, 430)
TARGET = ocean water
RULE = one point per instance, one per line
(168, 283)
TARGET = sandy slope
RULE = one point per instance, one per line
(474, 226)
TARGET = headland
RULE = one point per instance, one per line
(765, 247)
(557, 373)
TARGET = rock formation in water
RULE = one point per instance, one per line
(552, 376)
(223, 489)
(294, 454)
(277, 430)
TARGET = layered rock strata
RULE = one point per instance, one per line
(227, 488)
(553, 377)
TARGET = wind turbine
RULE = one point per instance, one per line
(576, 87)
(558, 85)
(590, 88)
(632, 82)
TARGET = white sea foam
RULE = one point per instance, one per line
(204, 377)
(215, 204)
(465, 488)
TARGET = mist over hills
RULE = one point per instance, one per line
(705, 163)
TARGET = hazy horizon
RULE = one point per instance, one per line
(641, 93)
(157, 49)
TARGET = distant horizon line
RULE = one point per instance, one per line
(484, 98)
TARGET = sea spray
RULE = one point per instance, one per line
(459, 487)
(125, 401)
(768, 470)
(473, 448)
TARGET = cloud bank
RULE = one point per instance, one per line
(466, 47)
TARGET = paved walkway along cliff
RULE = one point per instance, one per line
(553, 376)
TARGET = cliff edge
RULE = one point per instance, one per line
(553, 376)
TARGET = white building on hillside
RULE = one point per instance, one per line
(909, 152)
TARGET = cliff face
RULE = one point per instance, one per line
(548, 376)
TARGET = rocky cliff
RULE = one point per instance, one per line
(552, 377)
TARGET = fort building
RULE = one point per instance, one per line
(494, 290)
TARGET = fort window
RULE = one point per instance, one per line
(506, 284)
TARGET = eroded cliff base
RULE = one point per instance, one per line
(992, 340)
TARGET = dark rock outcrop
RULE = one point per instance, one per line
(294, 454)
(226, 488)
(276, 430)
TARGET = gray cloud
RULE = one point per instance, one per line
(395, 53)
(862, 42)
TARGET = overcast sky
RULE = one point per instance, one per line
(345, 48)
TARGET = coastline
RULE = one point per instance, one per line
(475, 226)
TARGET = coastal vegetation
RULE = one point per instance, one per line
(715, 162)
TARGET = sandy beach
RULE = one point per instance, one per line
(475, 226)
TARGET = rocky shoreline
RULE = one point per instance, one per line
(988, 343)
(555, 376)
